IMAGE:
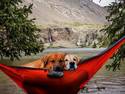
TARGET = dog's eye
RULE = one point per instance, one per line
(66, 60)
(52, 61)
(74, 59)
(60, 61)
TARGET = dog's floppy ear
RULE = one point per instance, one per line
(78, 58)
(65, 54)
(44, 60)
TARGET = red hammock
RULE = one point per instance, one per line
(36, 81)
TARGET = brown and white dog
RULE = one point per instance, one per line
(71, 61)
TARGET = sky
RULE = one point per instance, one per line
(103, 2)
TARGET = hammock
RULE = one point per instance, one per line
(36, 81)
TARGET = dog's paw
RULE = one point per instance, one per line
(55, 74)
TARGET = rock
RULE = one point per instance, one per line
(68, 37)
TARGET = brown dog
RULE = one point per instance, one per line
(52, 61)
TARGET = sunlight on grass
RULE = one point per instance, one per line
(76, 25)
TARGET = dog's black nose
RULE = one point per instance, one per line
(58, 69)
(72, 65)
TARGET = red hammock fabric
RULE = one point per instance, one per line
(36, 81)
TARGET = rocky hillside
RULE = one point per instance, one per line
(67, 11)
(69, 37)
(61, 17)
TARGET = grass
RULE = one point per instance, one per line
(80, 26)
(75, 25)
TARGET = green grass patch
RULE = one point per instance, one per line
(76, 25)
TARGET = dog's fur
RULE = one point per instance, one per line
(71, 61)
(53, 60)
(49, 61)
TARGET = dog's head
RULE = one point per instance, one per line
(71, 61)
(53, 61)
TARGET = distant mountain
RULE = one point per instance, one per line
(67, 11)
(70, 23)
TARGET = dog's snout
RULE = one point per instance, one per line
(72, 63)
(58, 68)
